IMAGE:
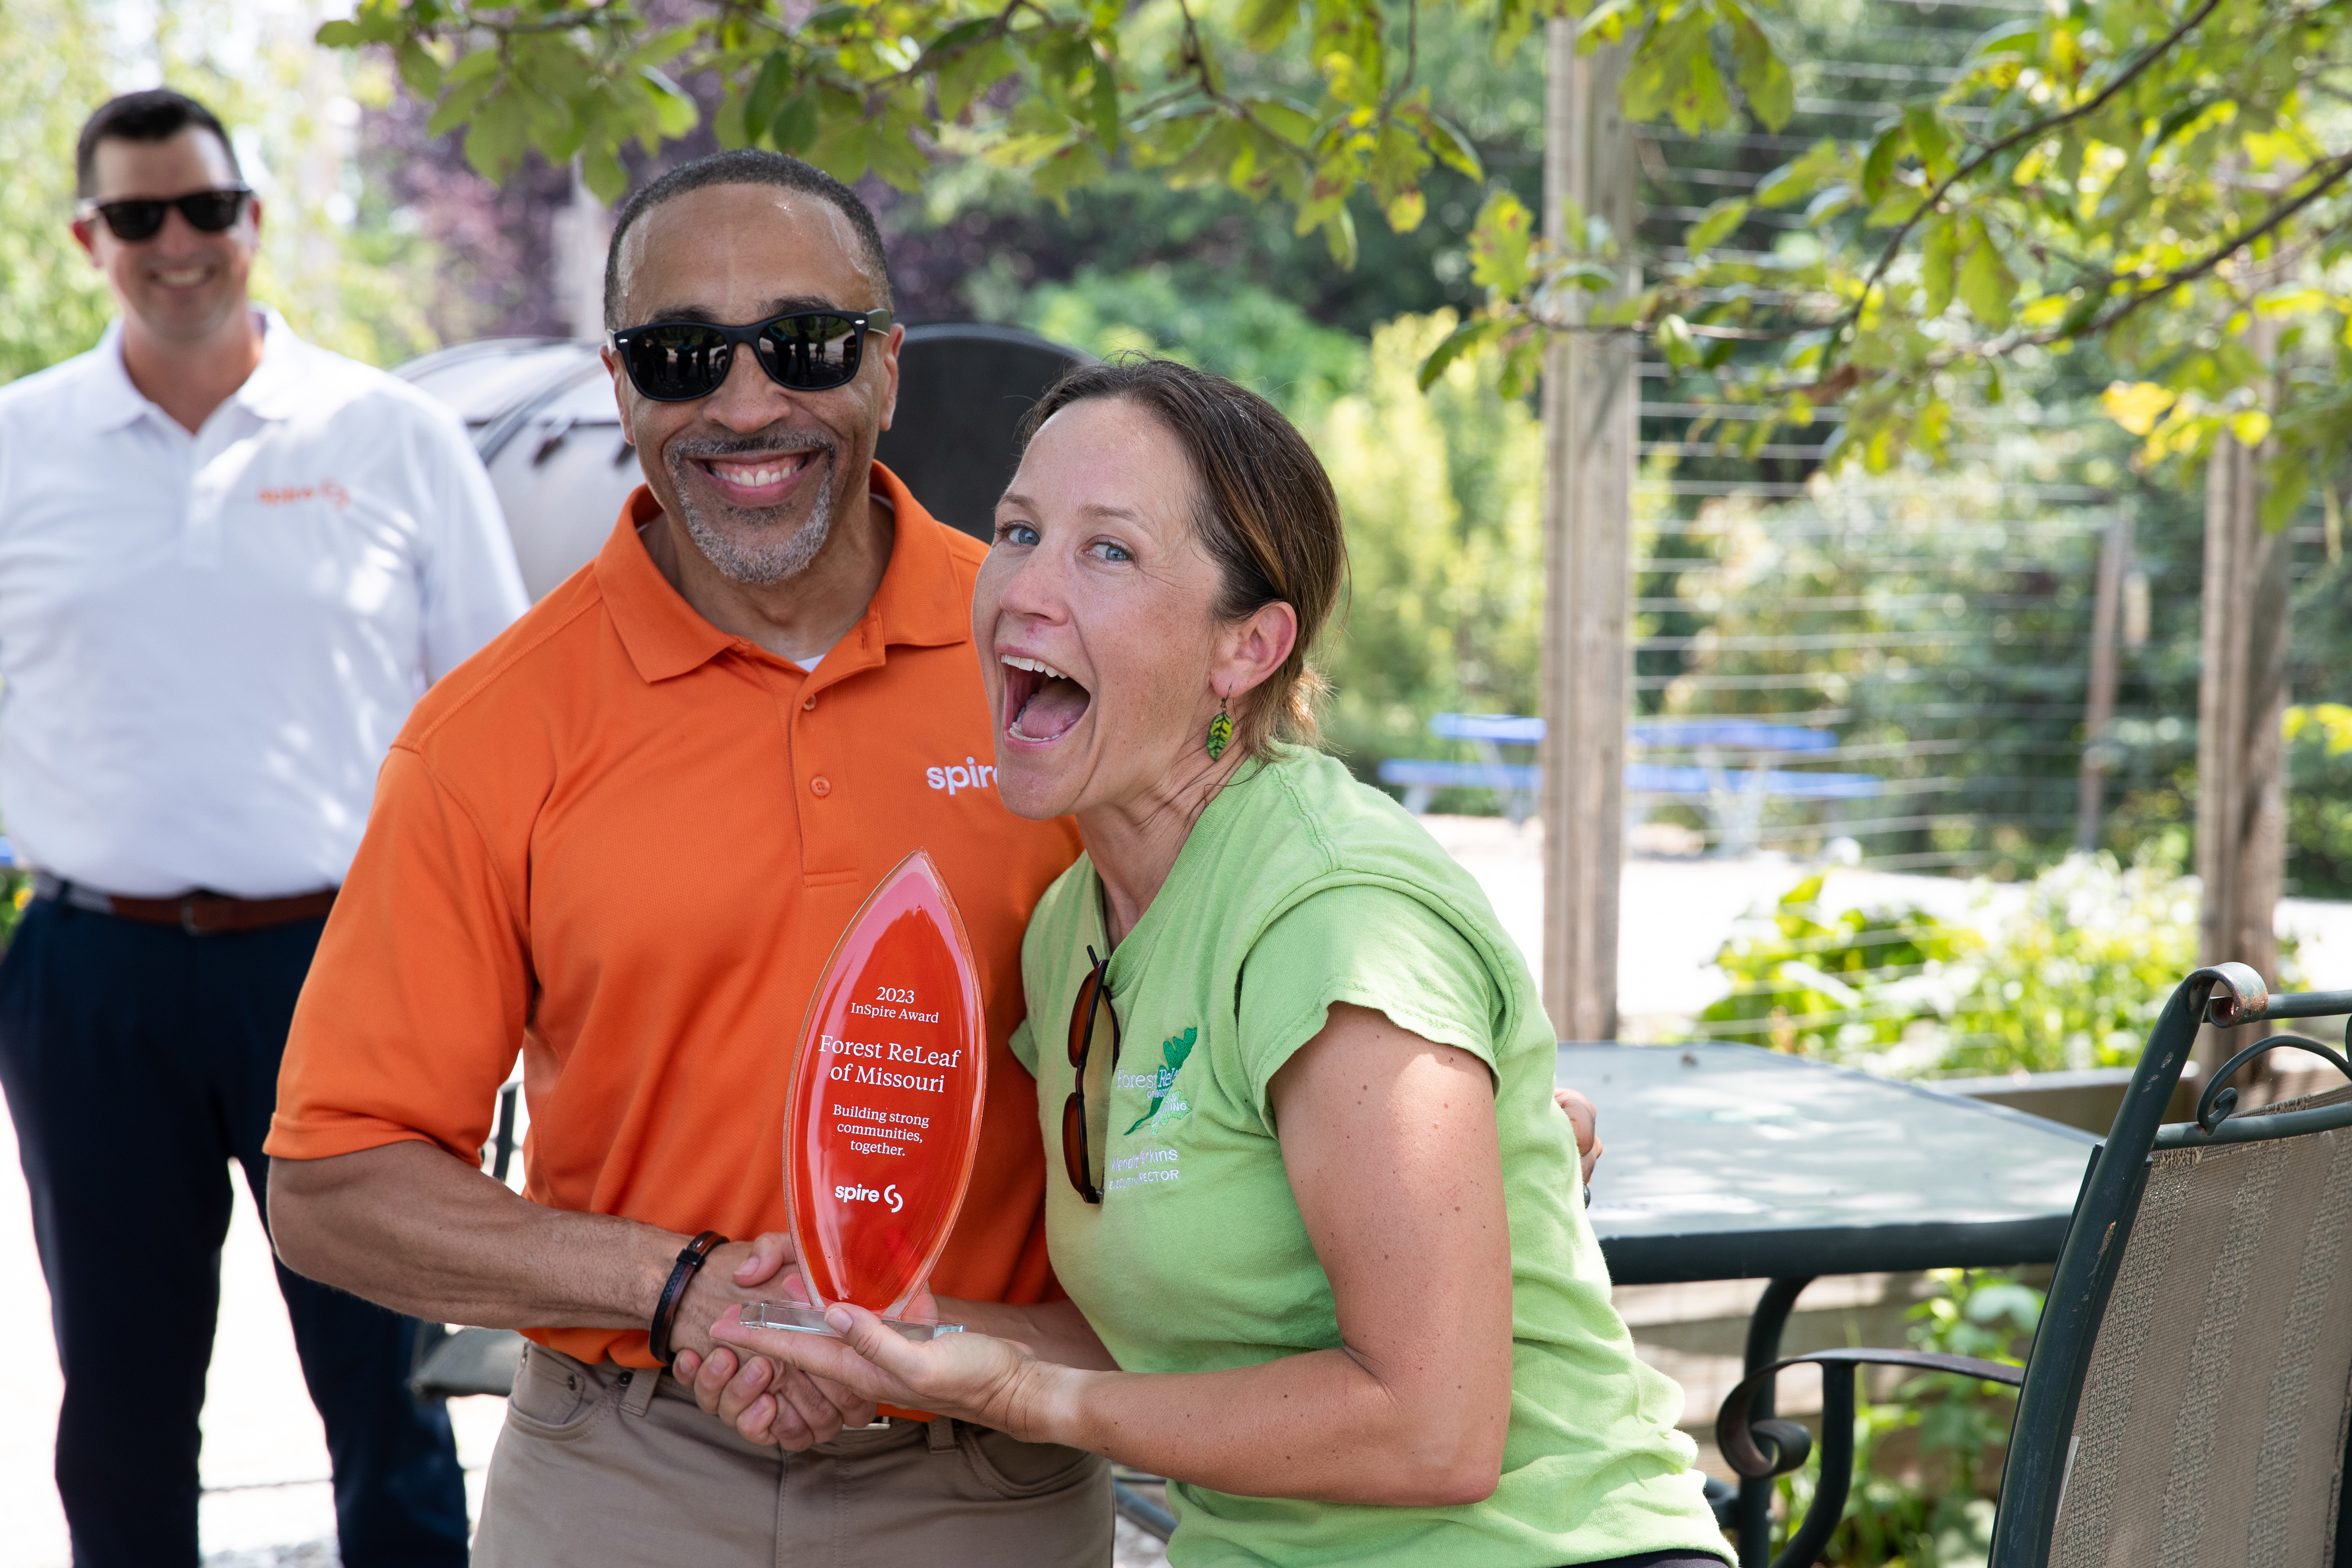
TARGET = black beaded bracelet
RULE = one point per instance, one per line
(695, 1253)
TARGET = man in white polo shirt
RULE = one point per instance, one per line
(229, 564)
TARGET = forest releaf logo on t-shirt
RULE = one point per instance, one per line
(1167, 1107)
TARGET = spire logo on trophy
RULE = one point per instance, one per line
(888, 1081)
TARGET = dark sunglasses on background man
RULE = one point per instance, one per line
(804, 350)
(1086, 1130)
(142, 218)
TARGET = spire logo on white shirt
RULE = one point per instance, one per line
(968, 775)
(326, 490)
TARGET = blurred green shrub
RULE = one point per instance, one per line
(2078, 975)
(2319, 800)
(2073, 977)
(1928, 1461)
(1442, 492)
(16, 892)
(1239, 331)
(1824, 983)
(53, 304)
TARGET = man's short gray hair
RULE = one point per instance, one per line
(743, 166)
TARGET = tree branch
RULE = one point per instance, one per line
(2040, 128)
(2329, 175)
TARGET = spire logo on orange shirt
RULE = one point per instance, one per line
(967, 775)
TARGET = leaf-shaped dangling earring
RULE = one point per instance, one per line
(1221, 732)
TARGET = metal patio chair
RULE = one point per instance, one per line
(2186, 1398)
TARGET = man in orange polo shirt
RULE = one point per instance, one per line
(622, 842)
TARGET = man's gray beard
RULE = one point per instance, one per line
(765, 558)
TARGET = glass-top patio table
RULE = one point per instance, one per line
(1726, 1162)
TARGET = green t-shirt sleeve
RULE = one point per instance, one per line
(1372, 947)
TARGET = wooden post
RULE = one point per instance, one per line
(1588, 410)
(2099, 708)
(582, 230)
(2241, 702)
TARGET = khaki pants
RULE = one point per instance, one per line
(602, 1466)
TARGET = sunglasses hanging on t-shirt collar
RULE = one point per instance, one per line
(1093, 1051)
(135, 218)
(802, 351)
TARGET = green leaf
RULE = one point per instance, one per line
(768, 92)
(1939, 248)
(1264, 24)
(474, 67)
(2286, 481)
(1468, 337)
(1878, 167)
(727, 124)
(796, 122)
(1930, 139)
(1642, 97)
(1799, 178)
(1105, 107)
(461, 101)
(833, 19)
(1075, 165)
(1286, 121)
(1452, 148)
(1522, 367)
(1699, 102)
(1445, 143)
(1987, 287)
(666, 46)
(1762, 75)
(674, 113)
(494, 141)
(1500, 240)
(2085, 311)
(1715, 225)
(969, 74)
(1397, 160)
(957, 39)
(419, 69)
(894, 153)
(2004, 40)
(1210, 158)
(340, 35)
(603, 173)
(1513, 19)
(1675, 342)
(1339, 236)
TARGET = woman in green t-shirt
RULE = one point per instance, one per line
(1328, 1262)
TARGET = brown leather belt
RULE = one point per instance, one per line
(197, 913)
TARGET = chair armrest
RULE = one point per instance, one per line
(1735, 1433)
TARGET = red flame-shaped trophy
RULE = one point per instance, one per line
(884, 1120)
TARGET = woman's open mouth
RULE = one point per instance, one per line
(1041, 704)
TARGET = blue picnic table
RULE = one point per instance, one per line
(1735, 797)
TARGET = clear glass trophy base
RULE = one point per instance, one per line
(802, 1319)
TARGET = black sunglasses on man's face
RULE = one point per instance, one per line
(142, 218)
(803, 350)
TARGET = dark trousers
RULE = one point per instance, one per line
(138, 1061)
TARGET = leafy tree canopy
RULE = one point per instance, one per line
(2164, 179)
